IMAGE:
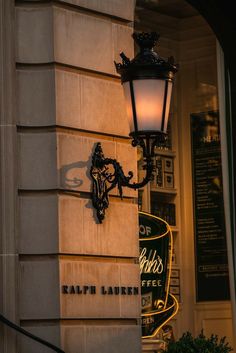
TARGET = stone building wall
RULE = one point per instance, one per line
(66, 97)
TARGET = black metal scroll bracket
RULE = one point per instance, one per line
(28, 334)
(107, 173)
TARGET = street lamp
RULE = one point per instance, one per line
(147, 82)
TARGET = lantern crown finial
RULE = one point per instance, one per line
(146, 41)
(147, 61)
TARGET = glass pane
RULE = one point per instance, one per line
(128, 105)
(168, 100)
(149, 95)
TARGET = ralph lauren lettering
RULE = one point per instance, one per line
(104, 290)
(78, 289)
(119, 290)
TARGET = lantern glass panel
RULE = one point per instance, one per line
(168, 100)
(149, 104)
(149, 98)
(129, 110)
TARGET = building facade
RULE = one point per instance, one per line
(65, 277)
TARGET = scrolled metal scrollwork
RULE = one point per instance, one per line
(105, 179)
(107, 173)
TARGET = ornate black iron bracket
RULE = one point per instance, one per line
(107, 173)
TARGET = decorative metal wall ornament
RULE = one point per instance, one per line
(105, 179)
(146, 78)
(107, 173)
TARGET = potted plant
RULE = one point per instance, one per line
(201, 344)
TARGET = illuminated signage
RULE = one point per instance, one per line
(158, 305)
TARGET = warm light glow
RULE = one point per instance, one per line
(149, 101)
(128, 105)
(149, 96)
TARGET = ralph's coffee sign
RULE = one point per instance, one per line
(158, 305)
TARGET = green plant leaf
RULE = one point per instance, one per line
(200, 344)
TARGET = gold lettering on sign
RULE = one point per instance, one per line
(151, 283)
(148, 320)
(151, 262)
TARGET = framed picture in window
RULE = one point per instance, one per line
(168, 180)
(168, 165)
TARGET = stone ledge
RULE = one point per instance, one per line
(49, 332)
(99, 41)
(39, 296)
(123, 9)
(34, 34)
(50, 160)
(73, 289)
(94, 338)
(81, 338)
(52, 224)
(52, 96)
(116, 236)
(75, 156)
(36, 105)
(54, 34)
(104, 277)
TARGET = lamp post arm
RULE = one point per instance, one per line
(149, 167)
(107, 173)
